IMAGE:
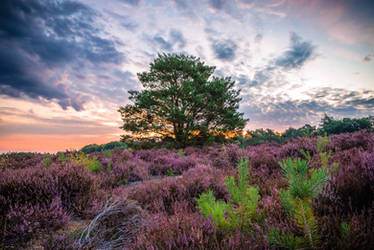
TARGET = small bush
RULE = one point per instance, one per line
(38, 198)
(304, 184)
(92, 163)
(160, 195)
(240, 210)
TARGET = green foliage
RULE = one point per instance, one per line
(346, 125)
(181, 98)
(98, 148)
(180, 152)
(4, 159)
(109, 166)
(62, 157)
(306, 154)
(345, 229)
(170, 172)
(306, 130)
(210, 207)
(47, 160)
(285, 240)
(328, 126)
(113, 145)
(107, 154)
(322, 143)
(304, 184)
(241, 210)
(123, 182)
(209, 141)
(92, 163)
(91, 148)
(258, 136)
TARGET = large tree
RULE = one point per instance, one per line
(182, 99)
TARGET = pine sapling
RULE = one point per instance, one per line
(304, 184)
(240, 210)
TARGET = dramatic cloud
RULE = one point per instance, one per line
(334, 101)
(41, 38)
(59, 57)
(294, 57)
(224, 50)
(360, 100)
(297, 54)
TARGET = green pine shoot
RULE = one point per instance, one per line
(240, 210)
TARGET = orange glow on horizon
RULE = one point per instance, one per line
(49, 143)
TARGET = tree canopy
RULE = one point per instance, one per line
(347, 125)
(181, 99)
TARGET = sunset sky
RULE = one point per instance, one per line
(66, 66)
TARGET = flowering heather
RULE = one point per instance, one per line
(40, 194)
(20, 160)
(37, 198)
(163, 193)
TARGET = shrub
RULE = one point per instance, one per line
(23, 221)
(131, 170)
(304, 184)
(294, 147)
(161, 165)
(189, 231)
(92, 163)
(34, 197)
(160, 195)
(186, 230)
(360, 140)
(59, 242)
(240, 210)
(20, 160)
(351, 188)
(47, 160)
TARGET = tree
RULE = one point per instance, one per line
(181, 99)
(347, 125)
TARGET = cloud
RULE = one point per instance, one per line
(258, 38)
(176, 41)
(337, 102)
(368, 58)
(363, 100)
(294, 57)
(297, 54)
(225, 49)
(131, 2)
(216, 4)
(41, 39)
(262, 76)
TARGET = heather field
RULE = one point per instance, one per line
(159, 198)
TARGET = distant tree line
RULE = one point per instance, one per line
(98, 148)
(328, 126)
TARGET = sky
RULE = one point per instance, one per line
(66, 66)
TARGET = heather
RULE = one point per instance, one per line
(212, 197)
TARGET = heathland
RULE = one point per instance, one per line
(308, 192)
